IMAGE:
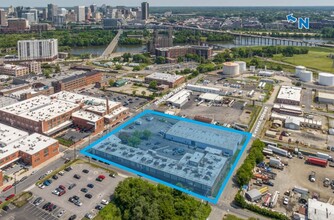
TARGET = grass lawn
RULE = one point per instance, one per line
(231, 217)
(317, 58)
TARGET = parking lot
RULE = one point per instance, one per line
(99, 191)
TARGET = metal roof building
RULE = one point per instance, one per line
(319, 210)
(203, 136)
(289, 95)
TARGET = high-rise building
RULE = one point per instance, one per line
(3, 18)
(52, 11)
(37, 49)
(144, 10)
(93, 8)
(88, 13)
(17, 24)
(45, 14)
(80, 12)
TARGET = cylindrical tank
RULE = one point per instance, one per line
(306, 76)
(299, 69)
(326, 79)
(230, 68)
(252, 68)
(242, 66)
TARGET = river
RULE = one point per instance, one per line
(98, 50)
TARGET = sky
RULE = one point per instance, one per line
(67, 3)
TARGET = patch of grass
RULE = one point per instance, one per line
(65, 142)
(317, 58)
(255, 113)
(22, 199)
(231, 217)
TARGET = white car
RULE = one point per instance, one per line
(61, 213)
(89, 216)
(41, 186)
(286, 201)
(104, 202)
(55, 192)
(48, 172)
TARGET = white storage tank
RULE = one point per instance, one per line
(326, 79)
(242, 66)
(230, 68)
(306, 76)
(252, 68)
(299, 69)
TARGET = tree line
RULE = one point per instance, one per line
(137, 199)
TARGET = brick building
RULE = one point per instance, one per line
(32, 150)
(89, 121)
(77, 81)
(39, 114)
(14, 70)
(172, 53)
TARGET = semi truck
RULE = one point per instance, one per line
(324, 156)
(279, 151)
(274, 199)
(317, 161)
(276, 163)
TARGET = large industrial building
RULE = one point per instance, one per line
(38, 49)
(165, 79)
(112, 112)
(77, 81)
(204, 89)
(199, 136)
(318, 210)
(51, 114)
(180, 98)
(289, 95)
(190, 154)
(31, 150)
(39, 114)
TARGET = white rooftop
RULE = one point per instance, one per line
(179, 97)
(290, 93)
(9, 134)
(324, 95)
(30, 145)
(319, 210)
(39, 108)
(88, 116)
(164, 76)
(211, 97)
(91, 103)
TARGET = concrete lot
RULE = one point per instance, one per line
(101, 190)
(220, 114)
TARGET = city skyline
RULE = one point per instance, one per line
(64, 3)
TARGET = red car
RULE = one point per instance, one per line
(7, 188)
(102, 177)
(10, 197)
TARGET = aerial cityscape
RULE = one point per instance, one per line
(179, 110)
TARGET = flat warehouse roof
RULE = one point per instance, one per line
(9, 134)
(88, 116)
(290, 93)
(207, 135)
(91, 103)
(164, 76)
(205, 174)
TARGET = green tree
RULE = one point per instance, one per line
(118, 67)
(160, 60)
(146, 134)
(134, 92)
(153, 84)
(111, 82)
(143, 93)
(57, 69)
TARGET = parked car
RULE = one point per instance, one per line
(104, 202)
(61, 213)
(5, 208)
(10, 197)
(55, 177)
(90, 185)
(68, 169)
(89, 196)
(46, 205)
(76, 176)
(85, 171)
(84, 190)
(72, 186)
(99, 207)
(72, 217)
(61, 173)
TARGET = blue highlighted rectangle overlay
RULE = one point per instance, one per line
(191, 156)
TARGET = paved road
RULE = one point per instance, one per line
(113, 44)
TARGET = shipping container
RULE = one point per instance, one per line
(317, 161)
(279, 151)
(324, 156)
